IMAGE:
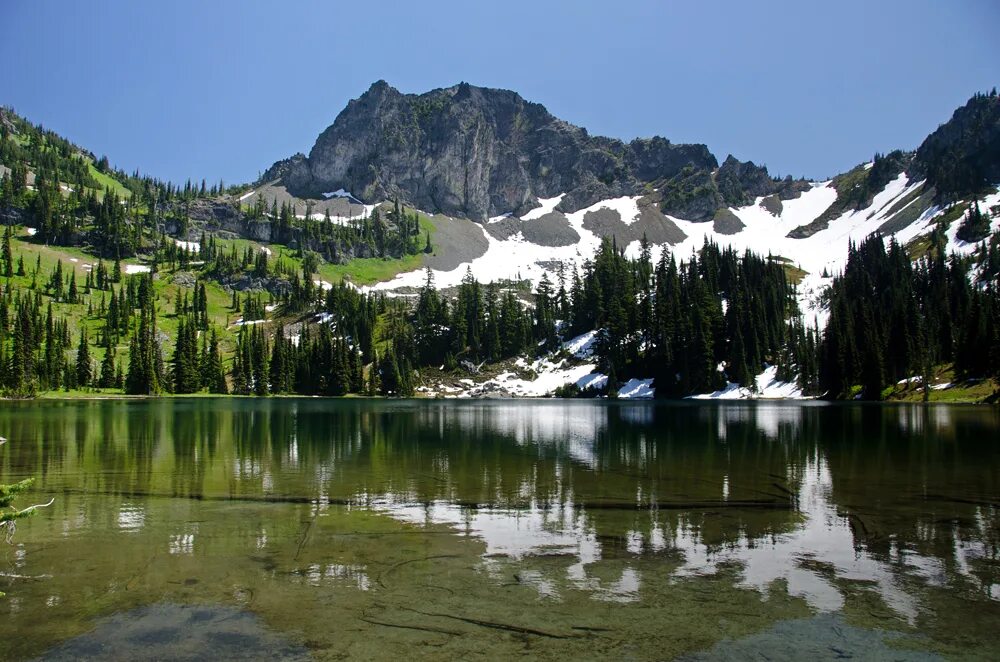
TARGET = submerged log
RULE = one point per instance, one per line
(772, 504)
(493, 624)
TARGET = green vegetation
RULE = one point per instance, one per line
(892, 319)
(943, 387)
(106, 182)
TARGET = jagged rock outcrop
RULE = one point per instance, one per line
(475, 152)
(219, 216)
(742, 182)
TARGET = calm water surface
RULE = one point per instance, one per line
(306, 528)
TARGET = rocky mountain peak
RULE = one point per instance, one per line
(475, 152)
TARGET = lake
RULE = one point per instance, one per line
(320, 528)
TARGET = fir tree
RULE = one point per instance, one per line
(7, 259)
(83, 367)
(107, 376)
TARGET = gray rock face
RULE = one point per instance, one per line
(726, 222)
(474, 152)
(552, 229)
(215, 216)
(651, 224)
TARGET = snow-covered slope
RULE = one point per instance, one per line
(825, 251)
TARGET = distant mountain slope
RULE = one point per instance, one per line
(962, 157)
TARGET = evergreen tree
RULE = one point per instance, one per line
(975, 226)
(186, 372)
(145, 369)
(107, 376)
(216, 376)
(83, 367)
(7, 259)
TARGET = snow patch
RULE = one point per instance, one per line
(246, 195)
(366, 211)
(136, 268)
(546, 206)
(811, 302)
(582, 347)
(594, 380)
(637, 389)
(189, 246)
(767, 388)
(627, 208)
(339, 193)
(549, 377)
(956, 245)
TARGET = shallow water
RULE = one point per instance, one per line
(240, 528)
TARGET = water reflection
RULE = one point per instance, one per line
(613, 502)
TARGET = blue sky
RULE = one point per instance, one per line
(222, 89)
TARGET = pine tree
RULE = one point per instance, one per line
(145, 368)
(216, 376)
(7, 260)
(107, 376)
(186, 374)
(83, 368)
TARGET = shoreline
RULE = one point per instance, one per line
(289, 396)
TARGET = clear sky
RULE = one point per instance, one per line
(217, 89)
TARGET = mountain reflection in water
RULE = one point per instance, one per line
(886, 515)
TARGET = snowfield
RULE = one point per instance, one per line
(826, 250)
(515, 258)
(765, 234)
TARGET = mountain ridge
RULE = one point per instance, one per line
(481, 152)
